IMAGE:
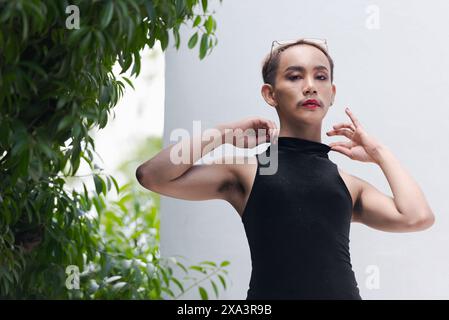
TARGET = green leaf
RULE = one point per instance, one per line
(25, 26)
(85, 43)
(6, 12)
(108, 183)
(163, 38)
(180, 286)
(75, 158)
(103, 187)
(209, 263)
(177, 38)
(164, 276)
(214, 286)
(7, 216)
(222, 280)
(150, 10)
(131, 29)
(168, 291)
(198, 268)
(128, 82)
(75, 35)
(193, 40)
(204, 5)
(107, 14)
(100, 38)
(24, 162)
(98, 184)
(182, 266)
(209, 25)
(115, 184)
(197, 21)
(203, 293)
(20, 145)
(225, 263)
(66, 122)
(35, 67)
(203, 46)
(136, 67)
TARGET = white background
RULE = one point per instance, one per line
(395, 79)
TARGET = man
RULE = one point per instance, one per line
(297, 220)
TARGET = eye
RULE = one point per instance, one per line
(293, 78)
(322, 77)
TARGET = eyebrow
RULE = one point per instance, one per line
(302, 69)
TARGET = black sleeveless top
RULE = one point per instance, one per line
(297, 222)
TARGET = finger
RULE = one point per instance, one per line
(274, 127)
(262, 126)
(277, 135)
(262, 131)
(352, 117)
(342, 150)
(269, 126)
(260, 123)
(274, 135)
(344, 125)
(270, 134)
(341, 132)
(346, 144)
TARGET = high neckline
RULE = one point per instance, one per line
(303, 146)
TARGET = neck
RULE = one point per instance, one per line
(307, 132)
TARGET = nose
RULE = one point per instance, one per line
(309, 87)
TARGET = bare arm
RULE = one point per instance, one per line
(406, 211)
(165, 175)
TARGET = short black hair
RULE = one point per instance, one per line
(271, 62)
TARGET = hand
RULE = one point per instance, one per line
(250, 132)
(361, 147)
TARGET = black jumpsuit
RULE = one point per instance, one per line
(297, 222)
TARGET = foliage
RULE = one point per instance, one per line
(56, 84)
(127, 264)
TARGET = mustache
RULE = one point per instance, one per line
(300, 103)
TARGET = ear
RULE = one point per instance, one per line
(334, 92)
(268, 94)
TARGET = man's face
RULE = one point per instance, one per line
(303, 73)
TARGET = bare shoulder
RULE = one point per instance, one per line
(353, 184)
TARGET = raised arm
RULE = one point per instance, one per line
(408, 209)
(189, 181)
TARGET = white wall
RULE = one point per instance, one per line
(394, 78)
(138, 115)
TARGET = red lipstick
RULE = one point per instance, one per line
(311, 104)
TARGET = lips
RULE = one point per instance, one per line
(311, 103)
